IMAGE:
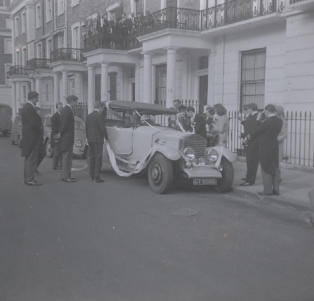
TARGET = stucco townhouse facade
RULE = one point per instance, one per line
(206, 51)
(5, 52)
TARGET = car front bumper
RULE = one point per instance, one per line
(201, 175)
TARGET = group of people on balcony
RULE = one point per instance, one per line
(106, 33)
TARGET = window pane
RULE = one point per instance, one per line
(253, 77)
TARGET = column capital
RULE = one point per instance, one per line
(171, 50)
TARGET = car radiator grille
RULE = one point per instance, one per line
(197, 143)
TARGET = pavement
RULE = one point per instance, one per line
(296, 185)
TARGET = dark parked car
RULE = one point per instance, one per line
(5, 120)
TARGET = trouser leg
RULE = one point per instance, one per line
(67, 164)
(252, 163)
(267, 182)
(56, 157)
(276, 180)
(30, 164)
(98, 159)
(91, 160)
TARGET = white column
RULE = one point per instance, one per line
(91, 89)
(13, 100)
(211, 78)
(147, 78)
(144, 7)
(104, 82)
(171, 76)
(37, 84)
(64, 86)
(56, 89)
(137, 82)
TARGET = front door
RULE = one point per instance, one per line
(161, 84)
(203, 88)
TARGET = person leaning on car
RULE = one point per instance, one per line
(55, 137)
(95, 134)
(67, 138)
(32, 133)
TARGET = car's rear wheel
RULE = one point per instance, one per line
(225, 183)
(160, 174)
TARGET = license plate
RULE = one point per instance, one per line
(204, 181)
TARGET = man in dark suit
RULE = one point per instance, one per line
(267, 133)
(32, 135)
(67, 138)
(95, 134)
(250, 125)
(55, 137)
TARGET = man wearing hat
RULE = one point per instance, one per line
(67, 138)
(32, 134)
(250, 125)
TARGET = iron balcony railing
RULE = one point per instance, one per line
(198, 20)
(18, 70)
(38, 63)
(170, 17)
(67, 54)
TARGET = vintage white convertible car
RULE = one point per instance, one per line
(137, 142)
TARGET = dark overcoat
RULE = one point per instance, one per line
(32, 129)
(266, 134)
(95, 127)
(66, 129)
(55, 126)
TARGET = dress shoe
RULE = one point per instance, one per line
(33, 183)
(276, 192)
(246, 184)
(69, 180)
(264, 194)
(99, 180)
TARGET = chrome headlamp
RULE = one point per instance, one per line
(212, 155)
(189, 153)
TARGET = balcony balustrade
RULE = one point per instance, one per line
(67, 54)
(38, 63)
(18, 70)
(198, 20)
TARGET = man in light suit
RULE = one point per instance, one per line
(95, 134)
(32, 135)
(67, 138)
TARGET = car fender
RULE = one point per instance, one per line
(171, 154)
(224, 152)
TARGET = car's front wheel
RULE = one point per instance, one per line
(160, 174)
(225, 183)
